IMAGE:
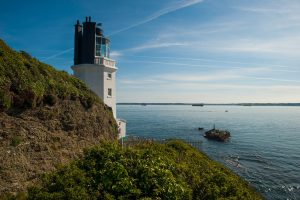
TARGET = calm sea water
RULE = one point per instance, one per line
(264, 147)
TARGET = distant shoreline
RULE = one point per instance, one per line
(209, 104)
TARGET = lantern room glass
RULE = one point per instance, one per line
(102, 47)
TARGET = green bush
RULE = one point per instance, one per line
(173, 170)
(18, 196)
(5, 100)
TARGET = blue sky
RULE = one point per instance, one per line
(212, 51)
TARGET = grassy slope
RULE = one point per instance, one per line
(173, 170)
(26, 83)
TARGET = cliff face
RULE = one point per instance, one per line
(47, 118)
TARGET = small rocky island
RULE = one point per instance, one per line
(218, 135)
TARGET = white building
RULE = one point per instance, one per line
(93, 65)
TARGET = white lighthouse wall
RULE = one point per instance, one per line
(110, 83)
(96, 77)
(92, 75)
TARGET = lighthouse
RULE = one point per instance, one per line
(93, 65)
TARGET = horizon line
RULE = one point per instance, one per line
(183, 103)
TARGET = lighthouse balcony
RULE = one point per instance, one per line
(105, 61)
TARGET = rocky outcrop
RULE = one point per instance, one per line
(218, 135)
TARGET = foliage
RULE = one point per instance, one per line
(173, 170)
(26, 82)
(5, 100)
(15, 141)
(18, 196)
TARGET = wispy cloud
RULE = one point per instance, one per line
(141, 82)
(256, 77)
(211, 86)
(261, 67)
(58, 54)
(115, 54)
(264, 10)
(155, 46)
(219, 76)
(277, 14)
(145, 47)
(172, 8)
(273, 79)
(185, 77)
(284, 45)
(247, 33)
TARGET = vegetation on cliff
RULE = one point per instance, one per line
(148, 170)
(47, 118)
(26, 82)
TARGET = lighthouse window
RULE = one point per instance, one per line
(102, 47)
(98, 50)
(109, 92)
(108, 52)
(98, 46)
(109, 75)
(103, 50)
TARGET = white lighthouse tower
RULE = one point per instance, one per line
(93, 65)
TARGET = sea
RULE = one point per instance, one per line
(264, 147)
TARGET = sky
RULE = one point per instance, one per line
(206, 51)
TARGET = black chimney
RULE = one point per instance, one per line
(88, 42)
(77, 43)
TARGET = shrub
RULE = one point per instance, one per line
(5, 100)
(148, 170)
(109, 172)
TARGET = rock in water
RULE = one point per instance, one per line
(218, 135)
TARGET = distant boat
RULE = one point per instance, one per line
(143, 104)
(198, 104)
